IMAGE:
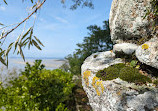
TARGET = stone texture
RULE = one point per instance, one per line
(148, 52)
(126, 20)
(114, 95)
(100, 60)
(126, 48)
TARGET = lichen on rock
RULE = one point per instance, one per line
(127, 21)
(148, 52)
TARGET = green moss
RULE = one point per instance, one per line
(132, 75)
(124, 72)
(111, 72)
(156, 82)
(95, 56)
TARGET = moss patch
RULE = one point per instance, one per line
(95, 56)
(156, 82)
(124, 72)
(132, 75)
(111, 72)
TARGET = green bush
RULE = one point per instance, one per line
(37, 89)
(124, 72)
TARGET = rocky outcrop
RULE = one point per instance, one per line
(127, 27)
(126, 20)
(148, 53)
(114, 95)
(125, 48)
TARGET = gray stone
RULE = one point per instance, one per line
(126, 20)
(114, 95)
(148, 55)
(100, 60)
(126, 48)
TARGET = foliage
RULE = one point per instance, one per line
(61, 107)
(133, 63)
(124, 72)
(98, 40)
(37, 89)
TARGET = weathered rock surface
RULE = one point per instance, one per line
(148, 53)
(126, 48)
(126, 20)
(100, 60)
(114, 95)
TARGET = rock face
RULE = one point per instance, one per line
(126, 20)
(148, 53)
(114, 95)
(126, 48)
(127, 25)
(100, 60)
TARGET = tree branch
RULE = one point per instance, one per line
(24, 19)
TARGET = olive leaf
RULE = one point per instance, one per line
(30, 43)
(28, 31)
(32, 1)
(9, 48)
(1, 24)
(5, 2)
(34, 6)
(2, 61)
(16, 43)
(35, 43)
(21, 52)
(38, 41)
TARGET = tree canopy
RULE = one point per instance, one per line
(98, 40)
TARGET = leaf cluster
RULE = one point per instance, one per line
(37, 89)
(23, 40)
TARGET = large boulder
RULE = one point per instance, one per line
(126, 20)
(148, 52)
(115, 95)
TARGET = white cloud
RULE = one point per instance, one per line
(50, 26)
(61, 19)
(2, 8)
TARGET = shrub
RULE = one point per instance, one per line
(37, 89)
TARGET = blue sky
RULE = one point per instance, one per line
(59, 28)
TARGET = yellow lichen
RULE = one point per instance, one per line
(118, 93)
(86, 75)
(98, 92)
(94, 81)
(145, 46)
(98, 85)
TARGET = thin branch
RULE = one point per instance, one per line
(24, 19)
(8, 26)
